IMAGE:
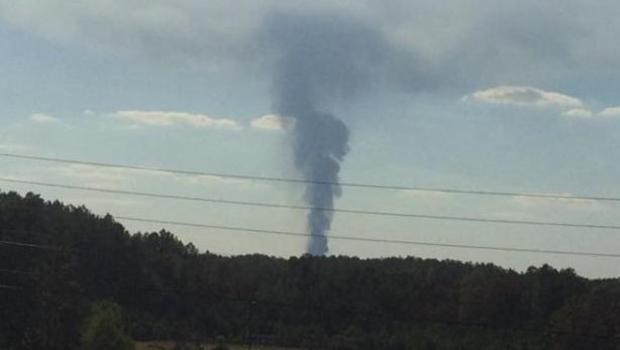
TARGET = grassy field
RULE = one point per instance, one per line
(170, 346)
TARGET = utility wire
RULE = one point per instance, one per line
(28, 245)
(338, 237)
(362, 239)
(297, 207)
(6, 286)
(16, 272)
(316, 182)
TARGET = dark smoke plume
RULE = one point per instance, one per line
(323, 59)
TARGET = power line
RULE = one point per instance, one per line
(373, 240)
(16, 272)
(362, 239)
(316, 182)
(6, 286)
(297, 207)
(28, 245)
(338, 237)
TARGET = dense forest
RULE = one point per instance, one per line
(87, 271)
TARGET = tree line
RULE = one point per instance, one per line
(99, 280)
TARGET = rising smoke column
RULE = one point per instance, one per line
(320, 143)
(321, 59)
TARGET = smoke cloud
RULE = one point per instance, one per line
(321, 60)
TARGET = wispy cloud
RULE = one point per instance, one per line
(578, 113)
(11, 147)
(42, 118)
(610, 112)
(541, 206)
(526, 96)
(87, 175)
(425, 195)
(272, 122)
(171, 118)
(92, 176)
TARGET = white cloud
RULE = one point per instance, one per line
(88, 175)
(576, 204)
(167, 118)
(203, 180)
(88, 113)
(118, 177)
(578, 113)
(610, 112)
(271, 122)
(549, 209)
(526, 96)
(428, 195)
(42, 118)
(11, 147)
(103, 204)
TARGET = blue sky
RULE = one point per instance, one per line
(519, 96)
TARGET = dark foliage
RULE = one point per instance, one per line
(169, 290)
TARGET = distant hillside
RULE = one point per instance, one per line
(168, 290)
